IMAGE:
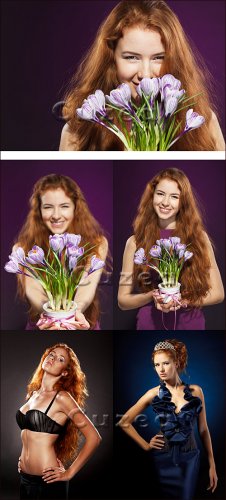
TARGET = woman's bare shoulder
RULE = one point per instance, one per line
(69, 140)
(216, 132)
(131, 243)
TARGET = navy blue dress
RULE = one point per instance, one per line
(177, 463)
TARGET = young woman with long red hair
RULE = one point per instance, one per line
(57, 205)
(178, 406)
(139, 38)
(168, 208)
(51, 422)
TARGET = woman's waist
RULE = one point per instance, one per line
(186, 444)
(35, 461)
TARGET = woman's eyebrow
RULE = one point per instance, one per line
(137, 53)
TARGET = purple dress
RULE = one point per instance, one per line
(150, 318)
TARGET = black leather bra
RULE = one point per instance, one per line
(38, 421)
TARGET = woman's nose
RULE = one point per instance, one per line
(145, 71)
(165, 201)
(56, 213)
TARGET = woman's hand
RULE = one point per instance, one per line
(79, 322)
(213, 478)
(157, 442)
(19, 464)
(168, 306)
(165, 307)
(53, 474)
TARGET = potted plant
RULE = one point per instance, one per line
(170, 255)
(60, 272)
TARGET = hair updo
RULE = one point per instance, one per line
(179, 355)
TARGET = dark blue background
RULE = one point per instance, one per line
(134, 375)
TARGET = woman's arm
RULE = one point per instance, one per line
(86, 291)
(35, 294)
(92, 440)
(127, 299)
(216, 133)
(68, 141)
(216, 292)
(126, 422)
(206, 439)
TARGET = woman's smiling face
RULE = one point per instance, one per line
(57, 210)
(139, 54)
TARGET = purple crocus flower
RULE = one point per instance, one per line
(170, 105)
(97, 102)
(36, 255)
(121, 97)
(18, 256)
(170, 81)
(72, 263)
(149, 86)
(174, 240)
(187, 255)
(180, 249)
(139, 256)
(72, 239)
(166, 243)
(56, 242)
(74, 251)
(155, 251)
(193, 120)
(95, 264)
(12, 267)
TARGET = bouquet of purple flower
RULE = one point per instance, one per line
(170, 255)
(61, 272)
(153, 124)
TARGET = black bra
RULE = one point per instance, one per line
(38, 421)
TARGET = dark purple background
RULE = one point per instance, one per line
(17, 180)
(208, 181)
(43, 42)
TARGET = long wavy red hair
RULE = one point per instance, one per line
(75, 383)
(35, 232)
(195, 276)
(98, 71)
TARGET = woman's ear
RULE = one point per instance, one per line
(64, 374)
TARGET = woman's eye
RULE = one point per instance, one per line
(158, 58)
(131, 58)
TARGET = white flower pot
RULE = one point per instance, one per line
(167, 292)
(59, 314)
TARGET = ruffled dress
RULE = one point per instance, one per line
(177, 463)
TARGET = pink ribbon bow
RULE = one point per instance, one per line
(175, 298)
(58, 323)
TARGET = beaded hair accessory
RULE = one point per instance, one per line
(164, 345)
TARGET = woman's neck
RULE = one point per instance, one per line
(174, 383)
(48, 382)
(167, 224)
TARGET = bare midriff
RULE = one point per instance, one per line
(38, 452)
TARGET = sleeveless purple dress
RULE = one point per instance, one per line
(150, 318)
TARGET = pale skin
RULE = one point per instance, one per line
(38, 455)
(139, 54)
(167, 370)
(57, 211)
(166, 205)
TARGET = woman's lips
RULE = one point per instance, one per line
(165, 210)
